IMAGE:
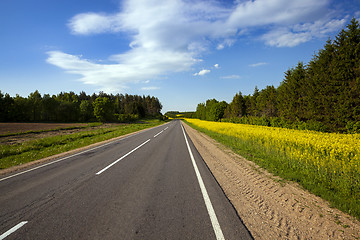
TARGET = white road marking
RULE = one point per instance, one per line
(214, 221)
(112, 164)
(166, 128)
(13, 229)
(64, 158)
(158, 133)
(74, 155)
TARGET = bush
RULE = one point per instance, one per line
(353, 127)
(124, 118)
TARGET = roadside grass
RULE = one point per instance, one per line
(12, 155)
(340, 189)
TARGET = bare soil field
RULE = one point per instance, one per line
(47, 130)
(9, 128)
(270, 207)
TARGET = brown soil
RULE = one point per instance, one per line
(7, 128)
(48, 128)
(270, 207)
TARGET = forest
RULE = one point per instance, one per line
(71, 107)
(323, 95)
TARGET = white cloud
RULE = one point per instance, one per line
(202, 72)
(216, 65)
(265, 12)
(284, 38)
(90, 23)
(258, 64)
(301, 33)
(171, 36)
(149, 88)
(226, 43)
(131, 67)
(231, 77)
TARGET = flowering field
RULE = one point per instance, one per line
(327, 164)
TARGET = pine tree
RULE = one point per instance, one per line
(292, 94)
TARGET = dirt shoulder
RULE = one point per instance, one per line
(270, 207)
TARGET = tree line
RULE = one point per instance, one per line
(322, 95)
(71, 107)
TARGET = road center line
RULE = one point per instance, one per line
(112, 164)
(158, 133)
(13, 229)
(214, 221)
(74, 155)
(67, 157)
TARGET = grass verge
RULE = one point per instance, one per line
(280, 164)
(12, 155)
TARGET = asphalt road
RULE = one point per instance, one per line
(152, 185)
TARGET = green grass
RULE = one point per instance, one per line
(12, 155)
(284, 167)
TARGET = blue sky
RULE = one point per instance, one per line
(181, 51)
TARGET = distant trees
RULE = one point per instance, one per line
(103, 109)
(177, 114)
(212, 110)
(322, 95)
(70, 107)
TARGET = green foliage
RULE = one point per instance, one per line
(103, 109)
(177, 114)
(123, 118)
(236, 108)
(212, 110)
(70, 107)
(86, 111)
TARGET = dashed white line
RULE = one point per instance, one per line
(112, 164)
(13, 229)
(214, 221)
(73, 155)
(64, 158)
(158, 133)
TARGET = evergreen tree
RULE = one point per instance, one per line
(35, 103)
(292, 94)
(237, 108)
(267, 102)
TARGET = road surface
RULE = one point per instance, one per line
(151, 185)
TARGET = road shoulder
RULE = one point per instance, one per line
(270, 207)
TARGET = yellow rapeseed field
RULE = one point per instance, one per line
(331, 159)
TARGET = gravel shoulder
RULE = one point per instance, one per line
(270, 207)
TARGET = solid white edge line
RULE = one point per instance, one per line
(214, 221)
(112, 164)
(73, 155)
(13, 229)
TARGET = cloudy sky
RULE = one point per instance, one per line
(181, 51)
